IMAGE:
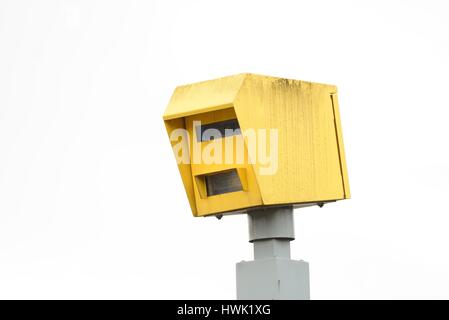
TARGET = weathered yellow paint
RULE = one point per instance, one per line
(311, 163)
(184, 169)
(203, 96)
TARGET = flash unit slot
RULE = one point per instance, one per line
(223, 182)
(213, 184)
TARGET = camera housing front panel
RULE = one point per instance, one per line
(230, 167)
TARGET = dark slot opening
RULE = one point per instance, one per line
(222, 128)
(223, 182)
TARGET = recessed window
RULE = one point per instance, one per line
(223, 182)
(216, 130)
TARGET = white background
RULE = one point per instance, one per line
(91, 202)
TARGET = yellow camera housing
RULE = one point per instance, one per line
(310, 158)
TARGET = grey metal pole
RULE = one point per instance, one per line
(272, 274)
